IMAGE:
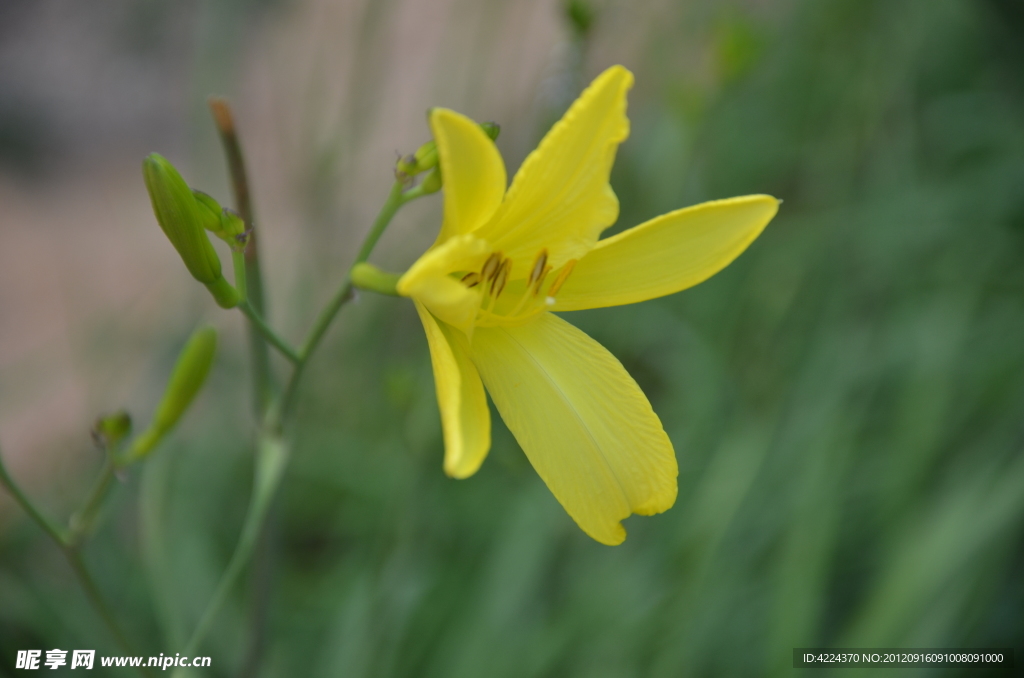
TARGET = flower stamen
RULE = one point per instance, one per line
(500, 278)
(562, 276)
(472, 279)
(490, 268)
(540, 280)
(538, 266)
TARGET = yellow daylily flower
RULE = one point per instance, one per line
(504, 260)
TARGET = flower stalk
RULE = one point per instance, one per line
(272, 450)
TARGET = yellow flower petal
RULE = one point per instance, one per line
(585, 425)
(465, 419)
(560, 199)
(473, 172)
(667, 254)
(428, 280)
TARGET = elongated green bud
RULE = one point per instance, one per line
(184, 216)
(180, 217)
(187, 378)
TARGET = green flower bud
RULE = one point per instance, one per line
(581, 16)
(181, 218)
(432, 182)
(209, 211)
(109, 430)
(224, 223)
(184, 216)
(187, 378)
(423, 159)
(426, 156)
(232, 229)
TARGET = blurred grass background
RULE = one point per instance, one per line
(845, 399)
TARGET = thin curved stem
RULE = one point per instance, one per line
(272, 453)
(82, 520)
(92, 592)
(283, 347)
(58, 535)
(271, 459)
(391, 206)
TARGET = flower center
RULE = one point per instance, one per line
(510, 300)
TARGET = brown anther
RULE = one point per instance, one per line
(490, 268)
(562, 276)
(472, 279)
(538, 267)
(500, 278)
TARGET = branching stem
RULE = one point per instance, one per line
(272, 456)
(69, 548)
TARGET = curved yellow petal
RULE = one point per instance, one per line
(472, 169)
(667, 254)
(428, 281)
(583, 422)
(465, 419)
(560, 198)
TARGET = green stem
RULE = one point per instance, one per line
(57, 534)
(393, 203)
(272, 456)
(238, 263)
(225, 122)
(92, 591)
(277, 342)
(82, 520)
(271, 459)
(74, 558)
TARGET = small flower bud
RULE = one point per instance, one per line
(581, 16)
(109, 430)
(423, 159)
(432, 182)
(492, 129)
(209, 211)
(187, 378)
(232, 230)
(225, 223)
(426, 156)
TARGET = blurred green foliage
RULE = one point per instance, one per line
(846, 403)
